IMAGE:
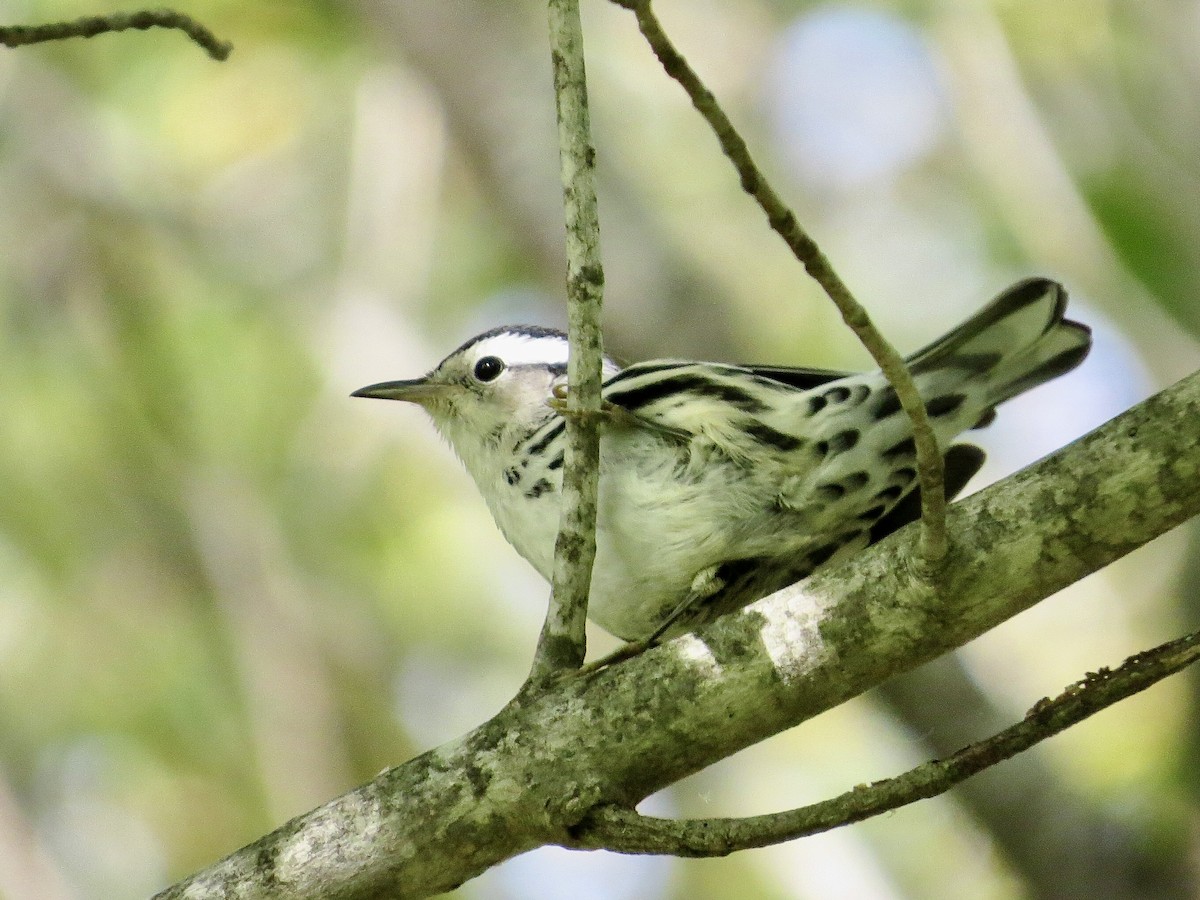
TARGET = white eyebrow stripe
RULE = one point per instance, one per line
(520, 349)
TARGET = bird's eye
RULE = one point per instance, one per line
(489, 368)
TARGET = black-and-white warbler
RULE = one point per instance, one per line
(721, 483)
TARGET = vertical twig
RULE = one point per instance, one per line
(562, 644)
(805, 249)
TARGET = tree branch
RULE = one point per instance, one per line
(551, 758)
(623, 830)
(90, 26)
(930, 468)
(562, 644)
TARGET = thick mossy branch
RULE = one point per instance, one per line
(141, 20)
(554, 757)
(783, 221)
(623, 830)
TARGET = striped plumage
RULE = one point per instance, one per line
(720, 483)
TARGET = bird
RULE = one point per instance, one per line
(722, 483)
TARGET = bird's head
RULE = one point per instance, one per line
(495, 384)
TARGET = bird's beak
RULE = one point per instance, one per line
(416, 390)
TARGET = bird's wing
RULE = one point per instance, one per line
(799, 377)
(724, 404)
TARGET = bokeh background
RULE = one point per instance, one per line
(229, 593)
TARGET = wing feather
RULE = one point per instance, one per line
(722, 404)
(802, 378)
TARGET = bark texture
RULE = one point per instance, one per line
(525, 777)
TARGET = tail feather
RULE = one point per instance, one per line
(1020, 340)
(961, 462)
(1056, 354)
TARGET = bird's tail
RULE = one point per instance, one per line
(1020, 340)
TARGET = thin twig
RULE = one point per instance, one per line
(783, 221)
(90, 26)
(562, 644)
(625, 831)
